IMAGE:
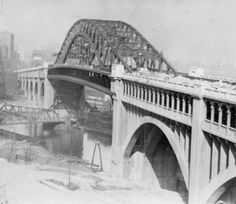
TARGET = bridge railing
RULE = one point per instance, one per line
(219, 128)
(220, 113)
(165, 102)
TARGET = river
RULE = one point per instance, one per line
(74, 141)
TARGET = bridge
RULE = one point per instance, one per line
(13, 114)
(170, 131)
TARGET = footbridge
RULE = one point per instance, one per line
(170, 131)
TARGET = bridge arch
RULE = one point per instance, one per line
(219, 186)
(103, 43)
(158, 134)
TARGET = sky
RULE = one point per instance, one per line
(186, 31)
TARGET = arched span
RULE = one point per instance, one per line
(97, 79)
(130, 142)
(102, 43)
(81, 82)
(216, 188)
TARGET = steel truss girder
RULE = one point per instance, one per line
(111, 42)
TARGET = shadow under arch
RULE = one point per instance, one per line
(153, 156)
(220, 188)
(132, 138)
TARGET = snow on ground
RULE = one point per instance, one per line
(32, 183)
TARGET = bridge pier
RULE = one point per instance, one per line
(197, 151)
(118, 126)
(47, 94)
(71, 96)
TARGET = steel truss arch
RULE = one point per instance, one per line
(102, 43)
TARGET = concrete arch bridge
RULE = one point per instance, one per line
(169, 131)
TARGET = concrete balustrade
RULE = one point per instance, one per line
(179, 104)
(220, 119)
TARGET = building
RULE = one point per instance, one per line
(41, 58)
(7, 45)
(21, 54)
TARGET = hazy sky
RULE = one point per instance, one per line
(186, 31)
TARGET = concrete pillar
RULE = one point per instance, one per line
(167, 100)
(212, 112)
(178, 103)
(190, 107)
(153, 96)
(135, 91)
(131, 89)
(228, 116)
(118, 130)
(184, 105)
(162, 98)
(138, 94)
(172, 101)
(220, 114)
(146, 94)
(125, 88)
(49, 94)
(158, 97)
(141, 89)
(149, 95)
(197, 139)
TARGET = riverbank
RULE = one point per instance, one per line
(44, 178)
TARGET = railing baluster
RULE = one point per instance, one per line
(212, 112)
(220, 114)
(228, 117)
(153, 95)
